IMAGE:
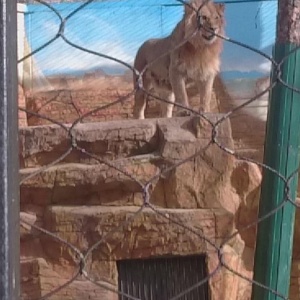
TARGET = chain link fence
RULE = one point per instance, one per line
(82, 269)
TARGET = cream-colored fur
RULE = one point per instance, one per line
(166, 70)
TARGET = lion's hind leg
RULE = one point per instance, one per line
(139, 105)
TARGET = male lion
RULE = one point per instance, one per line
(169, 69)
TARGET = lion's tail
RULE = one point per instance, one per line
(140, 63)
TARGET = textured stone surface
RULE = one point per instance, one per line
(30, 279)
(296, 248)
(147, 234)
(226, 284)
(38, 279)
(88, 184)
(203, 180)
(200, 182)
(246, 179)
(295, 282)
(42, 145)
(83, 201)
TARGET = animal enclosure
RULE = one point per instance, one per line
(102, 194)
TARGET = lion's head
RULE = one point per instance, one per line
(206, 17)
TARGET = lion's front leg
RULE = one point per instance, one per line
(177, 81)
(167, 108)
(205, 90)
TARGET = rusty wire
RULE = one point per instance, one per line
(81, 256)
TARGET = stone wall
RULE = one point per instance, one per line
(80, 199)
(94, 98)
(83, 201)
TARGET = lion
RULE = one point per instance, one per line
(191, 53)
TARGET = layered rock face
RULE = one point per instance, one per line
(133, 189)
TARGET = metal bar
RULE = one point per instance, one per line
(9, 177)
(273, 254)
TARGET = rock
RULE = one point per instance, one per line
(203, 180)
(225, 282)
(195, 188)
(295, 284)
(30, 279)
(38, 280)
(144, 234)
(41, 145)
(26, 220)
(296, 248)
(246, 179)
(116, 233)
(88, 184)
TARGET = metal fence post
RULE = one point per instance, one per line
(9, 176)
(273, 255)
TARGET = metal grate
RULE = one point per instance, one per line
(163, 278)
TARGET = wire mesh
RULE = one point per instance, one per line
(82, 257)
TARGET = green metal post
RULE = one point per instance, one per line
(274, 245)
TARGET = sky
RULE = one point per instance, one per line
(118, 27)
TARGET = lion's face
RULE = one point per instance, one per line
(209, 20)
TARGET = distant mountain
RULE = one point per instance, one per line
(229, 75)
(103, 70)
(120, 70)
(123, 70)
